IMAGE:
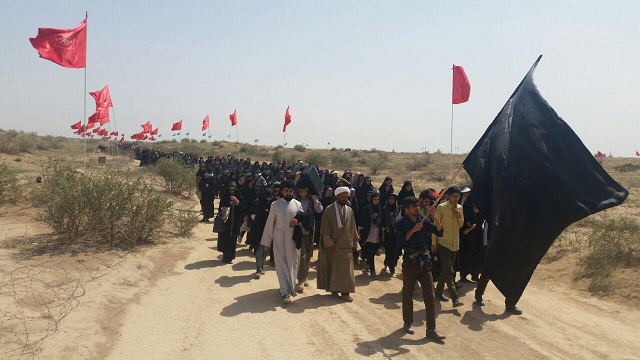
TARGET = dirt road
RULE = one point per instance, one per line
(200, 308)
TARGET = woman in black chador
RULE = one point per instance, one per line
(232, 209)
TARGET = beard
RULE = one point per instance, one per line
(342, 202)
(288, 198)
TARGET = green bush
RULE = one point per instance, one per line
(15, 142)
(105, 207)
(316, 158)
(300, 148)
(9, 190)
(611, 244)
(379, 162)
(419, 162)
(627, 167)
(183, 221)
(178, 178)
(340, 160)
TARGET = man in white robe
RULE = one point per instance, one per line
(278, 234)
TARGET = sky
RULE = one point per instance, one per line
(358, 74)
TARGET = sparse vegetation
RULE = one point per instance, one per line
(316, 158)
(611, 244)
(340, 160)
(183, 221)
(16, 142)
(379, 162)
(178, 178)
(300, 148)
(105, 206)
(627, 167)
(9, 191)
(419, 162)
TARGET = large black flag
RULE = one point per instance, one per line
(532, 177)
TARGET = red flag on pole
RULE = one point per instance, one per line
(599, 154)
(205, 123)
(122, 139)
(101, 116)
(103, 98)
(177, 126)
(77, 125)
(461, 86)
(65, 47)
(154, 132)
(233, 118)
(287, 120)
(637, 153)
(146, 127)
(90, 125)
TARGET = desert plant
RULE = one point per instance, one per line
(183, 221)
(316, 158)
(340, 160)
(611, 244)
(419, 162)
(105, 206)
(9, 191)
(379, 162)
(178, 178)
(300, 148)
(628, 167)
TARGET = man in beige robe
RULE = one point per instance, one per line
(339, 237)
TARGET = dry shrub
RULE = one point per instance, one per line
(611, 244)
(379, 162)
(628, 167)
(316, 158)
(178, 178)
(183, 221)
(419, 162)
(105, 207)
(340, 160)
(9, 189)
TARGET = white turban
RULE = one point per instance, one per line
(341, 189)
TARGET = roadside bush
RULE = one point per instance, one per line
(300, 148)
(316, 158)
(611, 244)
(178, 178)
(105, 207)
(15, 142)
(9, 191)
(183, 221)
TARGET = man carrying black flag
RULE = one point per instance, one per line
(532, 177)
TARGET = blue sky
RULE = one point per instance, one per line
(359, 74)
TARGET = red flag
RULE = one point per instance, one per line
(122, 139)
(177, 126)
(114, 133)
(77, 125)
(287, 120)
(154, 132)
(90, 126)
(65, 47)
(599, 154)
(152, 138)
(233, 118)
(146, 127)
(637, 153)
(101, 116)
(103, 98)
(461, 86)
(205, 123)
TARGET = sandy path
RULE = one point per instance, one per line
(208, 310)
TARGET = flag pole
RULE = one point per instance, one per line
(237, 139)
(86, 17)
(282, 152)
(451, 144)
(115, 126)
(453, 178)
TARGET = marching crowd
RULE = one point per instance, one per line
(281, 213)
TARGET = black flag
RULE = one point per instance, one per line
(532, 177)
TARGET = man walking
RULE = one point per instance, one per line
(311, 206)
(413, 236)
(339, 238)
(278, 233)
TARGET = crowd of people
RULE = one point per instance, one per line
(281, 213)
